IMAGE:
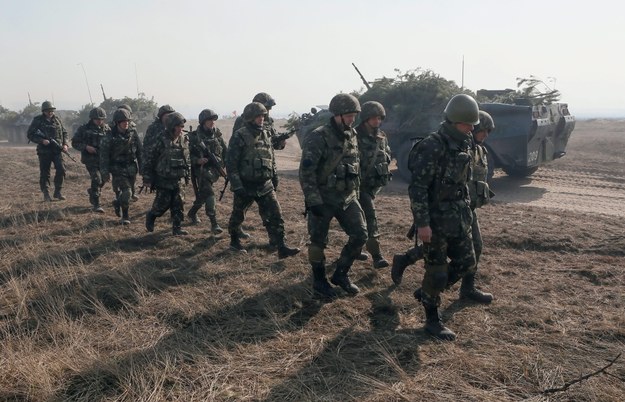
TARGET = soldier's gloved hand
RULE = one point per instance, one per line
(240, 192)
(317, 210)
(105, 178)
(275, 181)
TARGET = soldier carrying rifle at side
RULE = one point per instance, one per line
(47, 131)
(208, 152)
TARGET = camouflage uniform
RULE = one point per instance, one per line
(120, 156)
(91, 134)
(267, 101)
(168, 168)
(49, 154)
(201, 141)
(375, 156)
(155, 129)
(329, 176)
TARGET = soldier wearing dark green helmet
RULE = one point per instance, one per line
(375, 156)
(87, 140)
(47, 131)
(268, 102)
(251, 168)
(120, 157)
(206, 139)
(168, 169)
(329, 174)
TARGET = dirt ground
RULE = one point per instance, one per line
(92, 311)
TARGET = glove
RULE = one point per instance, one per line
(317, 210)
(240, 192)
(105, 178)
(275, 180)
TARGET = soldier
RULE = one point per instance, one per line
(375, 155)
(440, 203)
(47, 131)
(267, 101)
(120, 156)
(166, 166)
(87, 140)
(207, 140)
(155, 128)
(251, 168)
(330, 177)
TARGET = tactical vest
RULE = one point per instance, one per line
(341, 169)
(256, 162)
(374, 159)
(172, 162)
(52, 129)
(478, 187)
(91, 135)
(123, 148)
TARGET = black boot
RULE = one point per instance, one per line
(285, 251)
(150, 219)
(400, 263)
(373, 247)
(243, 235)
(362, 256)
(340, 278)
(192, 215)
(117, 207)
(320, 282)
(177, 230)
(58, 195)
(46, 196)
(125, 219)
(215, 228)
(379, 261)
(96, 205)
(469, 291)
(235, 244)
(434, 326)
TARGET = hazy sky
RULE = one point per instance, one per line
(218, 54)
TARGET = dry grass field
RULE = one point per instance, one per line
(94, 311)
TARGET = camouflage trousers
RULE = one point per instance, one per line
(122, 186)
(171, 199)
(477, 238)
(46, 160)
(455, 245)
(205, 196)
(96, 183)
(352, 221)
(269, 210)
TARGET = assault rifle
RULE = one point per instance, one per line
(54, 143)
(216, 163)
(282, 137)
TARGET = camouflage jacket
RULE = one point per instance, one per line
(375, 156)
(440, 165)
(250, 160)
(167, 162)
(92, 135)
(51, 129)
(153, 131)
(120, 153)
(267, 125)
(479, 190)
(329, 171)
(202, 141)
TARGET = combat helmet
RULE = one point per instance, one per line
(97, 113)
(265, 99)
(486, 123)
(121, 115)
(47, 105)
(252, 110)
(163, 110)
(175, 119)
(344, 104)
(207, 114)
(372, 109)
(462, 108)
(125, 106)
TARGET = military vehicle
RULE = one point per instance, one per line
(530, 129)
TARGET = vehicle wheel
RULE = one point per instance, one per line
(520, 172)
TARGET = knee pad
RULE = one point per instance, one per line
(315, 254)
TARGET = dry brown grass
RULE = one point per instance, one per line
(92, 311)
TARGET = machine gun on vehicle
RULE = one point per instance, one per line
(54, 143)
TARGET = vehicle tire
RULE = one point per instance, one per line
(520, 172)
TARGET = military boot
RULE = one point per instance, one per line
(243, 235)
(125, 218)
(96, 205)
(434, 326)
(177, 230)
(117, 207)
(192, 215)
(285, 251)
(469, 291)
(58, 195)
(150, 219)
(235, 244)
(215, 228)
(46, 196)
(340, 278)
(362, 256)
(373, 247)
(400, 263)
(320, 283)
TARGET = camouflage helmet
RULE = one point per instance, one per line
(344, 104)
(486, 123)
(97, 113)
(265, 99)
(462, 108)
(125, 106)
(175, 119)
(121, 115)
(207, 114)
(252, 110)
(372, 109)
(47, 105)
(163, 110)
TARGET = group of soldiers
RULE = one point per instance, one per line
(342, 169)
